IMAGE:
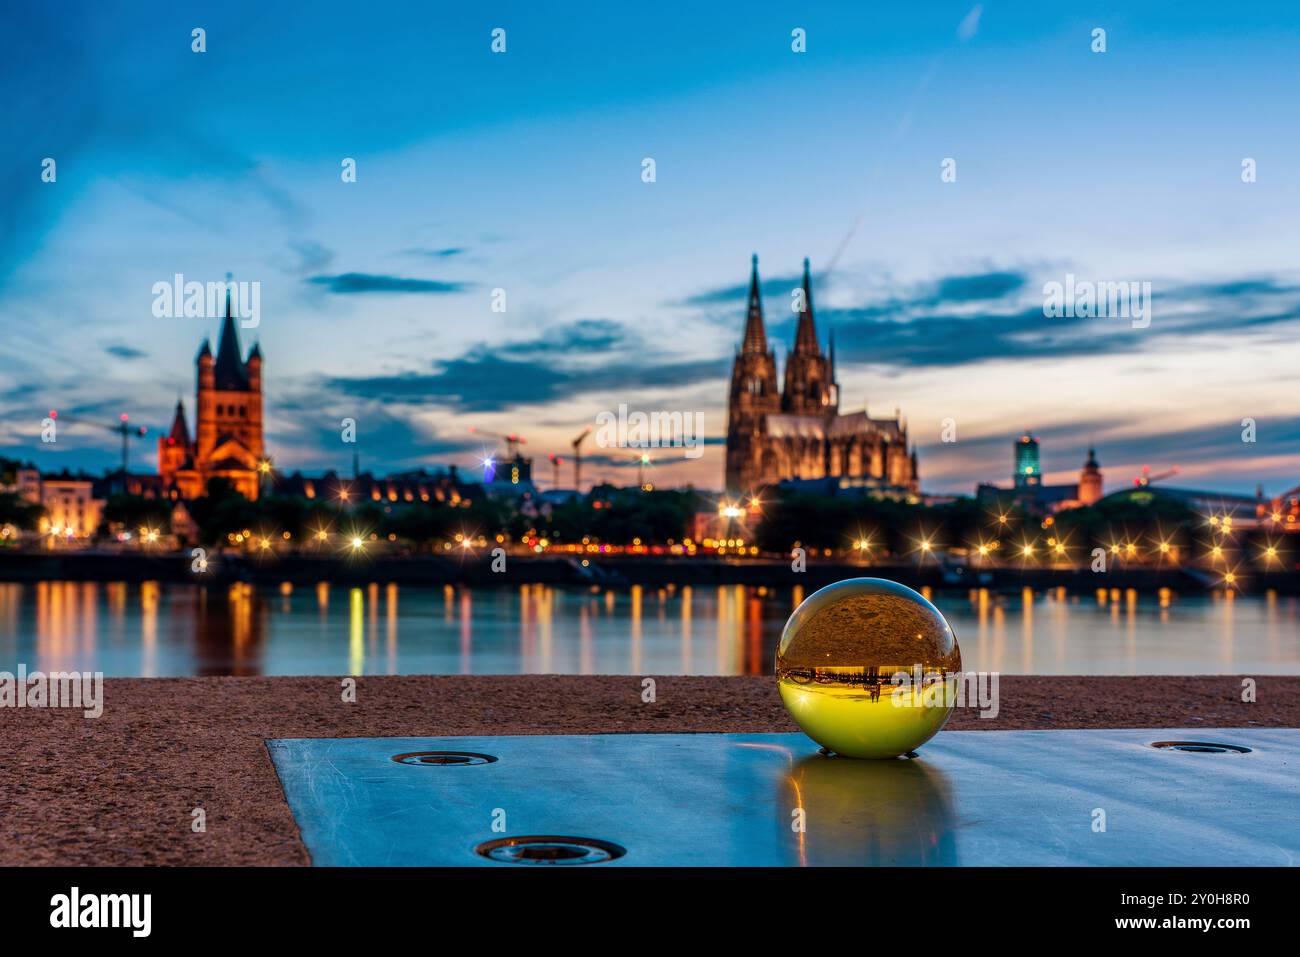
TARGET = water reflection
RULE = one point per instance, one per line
(152, 629)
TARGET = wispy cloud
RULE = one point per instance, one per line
(124, 352)
(351, 283)
(445, 253)
(492, 377)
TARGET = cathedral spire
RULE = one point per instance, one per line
(755, 336)
(805, 340)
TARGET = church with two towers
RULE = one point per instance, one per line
(798, 432)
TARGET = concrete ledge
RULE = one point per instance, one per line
(121, 789)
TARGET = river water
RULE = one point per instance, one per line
(177, 630)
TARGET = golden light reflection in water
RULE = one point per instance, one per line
(546, 598)
(179, 629)
(636, 630)
(372, 619)
(390, 628)
(687, 595)
(356, 631)
(1026, 630)
(466, 632)
(586, 665)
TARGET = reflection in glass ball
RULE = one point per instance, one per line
(868, 668)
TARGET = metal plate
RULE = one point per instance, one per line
(970, 798)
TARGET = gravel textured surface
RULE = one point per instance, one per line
(122, 789)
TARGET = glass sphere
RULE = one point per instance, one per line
(868, 668)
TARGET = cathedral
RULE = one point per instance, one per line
(798, 432)
(227, 439)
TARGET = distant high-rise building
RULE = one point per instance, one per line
(227, 439)
(774, 436)
(1029, 473)
(1090, 481)
(1029, 491)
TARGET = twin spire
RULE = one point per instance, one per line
(805, 339)
(755, 336)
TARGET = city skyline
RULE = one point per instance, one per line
(474, 175)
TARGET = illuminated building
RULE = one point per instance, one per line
(1090, 482)
(1029, 492)
(1028, 471)
(227, 439)
(71, 509)
(799, 433)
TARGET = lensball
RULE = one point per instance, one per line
(868, 668)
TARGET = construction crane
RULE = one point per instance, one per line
(577, 457)
(556, 462)
(1146, 478)
(512, 440)
(122, 428)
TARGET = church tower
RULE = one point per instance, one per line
(228, 426)
(227, 441)
(174, 448)
(753, 396)
(1090, 484)
(808, 386)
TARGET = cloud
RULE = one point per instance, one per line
(970, 318)
(977, 288)
(306, 256)
(738, 294)
(551, 367)
(124, 352)
(970, 24)
(446, 253)
(585, 335)
(357, 282)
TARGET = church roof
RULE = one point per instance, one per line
(230, 371)
(229, 465)
(180, 434)
(784, 425)
(229, 438)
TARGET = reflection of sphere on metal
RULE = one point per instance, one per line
(868, 668)
(890, 813)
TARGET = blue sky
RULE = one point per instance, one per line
(522, 171)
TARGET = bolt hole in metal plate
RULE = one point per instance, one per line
(549, 849)
(1200, 747)
(443, 759)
